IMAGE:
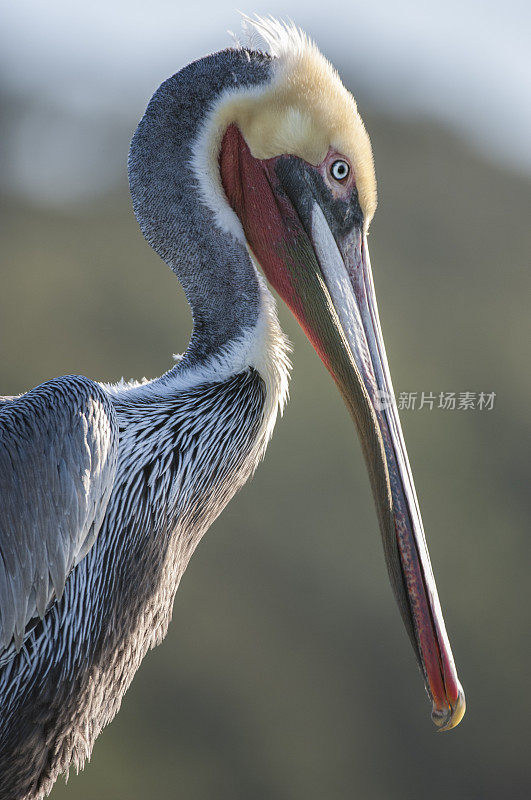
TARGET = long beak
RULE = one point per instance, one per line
(327, 282)
(359, 366)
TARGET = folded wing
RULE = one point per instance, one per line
(58, 452)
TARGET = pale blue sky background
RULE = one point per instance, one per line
(77, 76)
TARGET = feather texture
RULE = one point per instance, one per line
(181, 457)
(58, 450)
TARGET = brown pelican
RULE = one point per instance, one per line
(244, 163)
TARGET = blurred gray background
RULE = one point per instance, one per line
(286, 674)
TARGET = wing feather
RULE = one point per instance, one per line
(58, 452)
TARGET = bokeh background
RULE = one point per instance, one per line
(287, 674)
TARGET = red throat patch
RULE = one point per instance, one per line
(271, 225)
(269, 221)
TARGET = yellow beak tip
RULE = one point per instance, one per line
(450, 717)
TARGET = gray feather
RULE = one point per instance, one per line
(58, 450)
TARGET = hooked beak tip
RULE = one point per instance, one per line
(450, 715)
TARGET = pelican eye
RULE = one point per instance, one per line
(339, 170)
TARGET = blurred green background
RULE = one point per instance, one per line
(286, 673)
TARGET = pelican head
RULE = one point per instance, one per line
(286, 167)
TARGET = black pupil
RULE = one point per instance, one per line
(340, 169)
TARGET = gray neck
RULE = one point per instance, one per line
(215, 270)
